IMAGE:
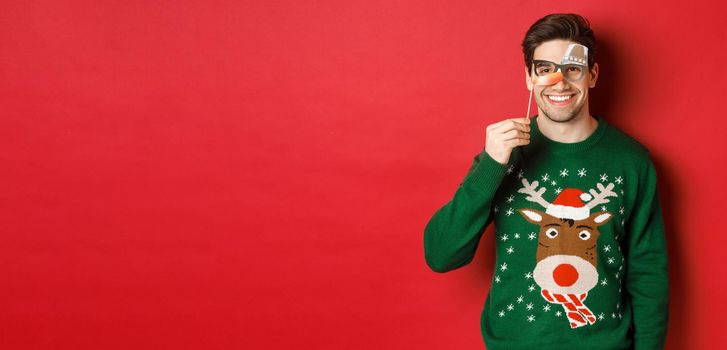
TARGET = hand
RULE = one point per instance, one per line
(505, 135)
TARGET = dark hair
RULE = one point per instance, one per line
(567, 26)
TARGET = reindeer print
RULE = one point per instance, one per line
(567, 254)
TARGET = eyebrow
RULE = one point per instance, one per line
(586, 226)
(553, 225)
(537, 62)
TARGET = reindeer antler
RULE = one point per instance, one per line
(599, 198)
(533, 194)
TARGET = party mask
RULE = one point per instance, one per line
(572, 67)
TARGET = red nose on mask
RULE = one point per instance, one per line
(548, 79)
(565, 275)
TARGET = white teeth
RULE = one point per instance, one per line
(559, 98)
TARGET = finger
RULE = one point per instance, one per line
(512, 125)
(509, 120)
(514, 134)
(515, 123)
(516, 142)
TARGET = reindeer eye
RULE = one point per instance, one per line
(584, 235)
(551, 232)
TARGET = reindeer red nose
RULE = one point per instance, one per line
(565, 275)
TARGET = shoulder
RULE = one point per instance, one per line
(621, 144)
(633, 156)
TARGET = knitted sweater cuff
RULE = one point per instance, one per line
(488, 175)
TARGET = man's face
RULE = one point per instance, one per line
(565, 100)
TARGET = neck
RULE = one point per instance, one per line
(574, 130)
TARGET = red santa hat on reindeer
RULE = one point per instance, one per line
(569, 205)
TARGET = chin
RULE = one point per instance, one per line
(560, 117)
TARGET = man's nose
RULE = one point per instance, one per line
(560, 85)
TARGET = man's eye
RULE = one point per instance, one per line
(574, 69)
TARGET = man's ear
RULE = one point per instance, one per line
(594, 76)
(528, 80)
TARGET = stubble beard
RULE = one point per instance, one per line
(562, 117)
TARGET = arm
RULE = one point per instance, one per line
(452, 234)
(647, 279)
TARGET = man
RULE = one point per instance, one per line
(581, 255)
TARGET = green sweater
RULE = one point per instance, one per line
(581, 258)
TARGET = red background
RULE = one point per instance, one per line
(218, 174)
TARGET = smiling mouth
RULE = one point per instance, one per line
(559, 100)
